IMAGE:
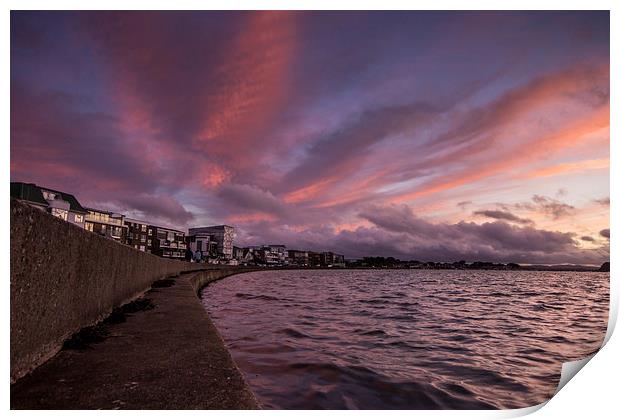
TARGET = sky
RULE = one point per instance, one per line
(438, 136)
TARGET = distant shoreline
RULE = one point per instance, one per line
(558, 268)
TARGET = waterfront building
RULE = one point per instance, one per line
(60, 204)
(200, 242)
(106, 223)
(298, 258)
(222, 235)
(314, 259)
(237, 253)
(166, 242)
(246, 255)
(330, 259)
(271, 255)
(137, 235)
(279, 253)
(325, 259)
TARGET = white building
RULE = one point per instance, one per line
(222, 235)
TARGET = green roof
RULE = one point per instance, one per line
(33, 193)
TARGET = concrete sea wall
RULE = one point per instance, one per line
(203, 278)
(64, 278)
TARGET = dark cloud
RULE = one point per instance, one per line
(503, 215)
(554, 208)
(546, 205)
(398, 232)
(587, 238)
(604, 233)
(497, 234)
(603, 201)
(251, 198)
(159, 207)
(57, 141)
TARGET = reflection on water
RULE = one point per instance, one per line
(407, 339)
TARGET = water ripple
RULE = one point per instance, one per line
(408, 339)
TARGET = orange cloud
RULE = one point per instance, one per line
(570, 167)
(254, 76)
(567, 136)
(251, 217)
(308, 192)
(213, 175)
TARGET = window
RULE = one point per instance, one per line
(148, 242)
(142, 248)
(170, 236)
(150, 231)
(143, 228)
(79, 218)
(143, 238)
(49, 195)
(60, 213)
(199, 245)
(88, 226)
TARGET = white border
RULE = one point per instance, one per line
(592, 394)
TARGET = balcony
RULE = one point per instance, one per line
(103, 220)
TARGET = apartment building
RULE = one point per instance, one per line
(106, 223)
(298, 258)
(137, 235)
(222, 235)
(166, 242)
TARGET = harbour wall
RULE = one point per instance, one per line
(64, 278)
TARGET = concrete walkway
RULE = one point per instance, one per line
(167, 357)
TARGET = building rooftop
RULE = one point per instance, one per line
(213, 227)
(111, 213)
(34, 193)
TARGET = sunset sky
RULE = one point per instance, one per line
(421, 135)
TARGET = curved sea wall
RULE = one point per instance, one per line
(64, 278)
(210, 275)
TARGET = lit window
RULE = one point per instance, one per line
(143, 228)
(60, 213)
(88, 226)
(150, 231)
(141, 247)
(79, 218)
(148, 242)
